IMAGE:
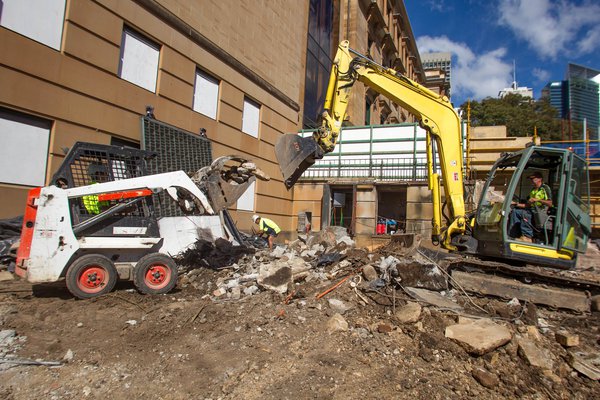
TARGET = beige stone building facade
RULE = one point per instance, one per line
(72, 82)
(85, 70)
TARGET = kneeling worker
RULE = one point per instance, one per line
(267, 227)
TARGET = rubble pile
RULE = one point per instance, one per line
(316, 317)
(207, 254)
(405, 286)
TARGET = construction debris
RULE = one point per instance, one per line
(306, 319)
(479, 337)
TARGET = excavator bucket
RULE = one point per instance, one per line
(294, 155)
(226, 180)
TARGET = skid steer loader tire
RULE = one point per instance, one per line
(91, 275)
(155, 273)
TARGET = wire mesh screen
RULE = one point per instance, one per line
(176, 150)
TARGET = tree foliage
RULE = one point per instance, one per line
(521, 116)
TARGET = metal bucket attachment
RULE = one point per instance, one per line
(295, 155)
(226, 180)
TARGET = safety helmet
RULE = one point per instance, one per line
(255, 218)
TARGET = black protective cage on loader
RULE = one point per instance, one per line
(91, 163)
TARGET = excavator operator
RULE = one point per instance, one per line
(98, 174)
(539, 200)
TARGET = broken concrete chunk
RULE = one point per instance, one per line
(337, 323)
(409, 314)
(533, 333)
(388, 262)
(433, 298)
(274, 277)
(369, 272)
(586, 364)
(297, 245)
(68, 357)
(251, 290)
(426, 276)
(533, 354)
(479, 337)
(485, 378)
(278, 251)
(298, 265)
(338, 306)
(324, 237)
(236, 293)
(466, 320)
(567, 339)
(347, 241)
(7, 337)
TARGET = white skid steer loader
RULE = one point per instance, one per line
(111, 227)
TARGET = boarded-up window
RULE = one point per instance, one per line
(40, 20)
(251, 117)
(139, 60)
(246, 201)
(24, 149)
(206, 94)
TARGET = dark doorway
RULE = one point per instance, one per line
(391, 209)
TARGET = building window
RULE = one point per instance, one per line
(318, 60)
(139, 60)
(206, 94)
(246, 201)
(24, 150)
(40, 20)
(251, 117)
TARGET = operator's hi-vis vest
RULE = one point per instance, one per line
(541, 193)
(266, 223)
(92, 204)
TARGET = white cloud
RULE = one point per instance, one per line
(541, 75)
(474, 76)
(552, 27)
(437, 5)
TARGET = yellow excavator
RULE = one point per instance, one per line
(559, 234)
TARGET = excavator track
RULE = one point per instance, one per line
(567, 289)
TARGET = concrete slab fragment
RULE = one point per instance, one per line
(586, 364)
(433, 298)
(409, 314)
(274, 277)
(534, 355)
(479, 337)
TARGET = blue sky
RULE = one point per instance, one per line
(484, 37)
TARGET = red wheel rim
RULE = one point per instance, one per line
(92, 279)
(157, 276)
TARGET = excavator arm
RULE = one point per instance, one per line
(435, 114)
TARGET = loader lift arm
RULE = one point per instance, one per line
(435, 114)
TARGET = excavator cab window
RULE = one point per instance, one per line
(543, 218)
(576, 209)
(509, 184)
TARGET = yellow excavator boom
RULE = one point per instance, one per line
(435, 114)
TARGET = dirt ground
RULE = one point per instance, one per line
(190, 344)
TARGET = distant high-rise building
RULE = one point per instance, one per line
(515, 88)
(577, 98)
(557, 95)
(433, 62)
